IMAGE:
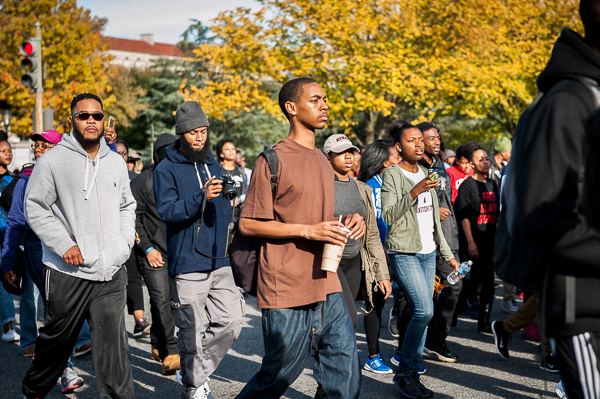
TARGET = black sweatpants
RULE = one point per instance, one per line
(135, 292)
(69, 301)
(577, 359)
(481, 274)
(354, 288)
(444, 306)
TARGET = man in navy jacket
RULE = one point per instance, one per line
(197, 235)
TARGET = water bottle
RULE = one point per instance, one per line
(463, 269)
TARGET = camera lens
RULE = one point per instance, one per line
(229, 190)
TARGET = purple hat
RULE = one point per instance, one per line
(51, 136)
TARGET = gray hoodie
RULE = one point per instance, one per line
(72, 200)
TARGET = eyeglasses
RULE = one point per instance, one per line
(43, 145)
(84, 116)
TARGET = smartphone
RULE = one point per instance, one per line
(435, 176)
(111, 121)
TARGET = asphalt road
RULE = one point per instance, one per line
(481, 372)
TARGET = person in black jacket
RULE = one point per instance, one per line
(151, 251)
(439, 326)
(553, 223)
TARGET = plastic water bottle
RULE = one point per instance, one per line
(463, 269)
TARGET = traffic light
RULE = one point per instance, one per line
(31, 64)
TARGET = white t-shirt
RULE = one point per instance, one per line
(424, 214)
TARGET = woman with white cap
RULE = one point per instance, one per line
(363, 270)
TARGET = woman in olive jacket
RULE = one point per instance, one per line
(410, 208)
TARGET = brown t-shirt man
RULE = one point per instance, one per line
(289, 273)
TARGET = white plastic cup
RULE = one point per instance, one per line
(332, 255)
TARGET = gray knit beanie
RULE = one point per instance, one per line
(189, 116)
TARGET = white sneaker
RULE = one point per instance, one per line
(203, 392)
(10, 336)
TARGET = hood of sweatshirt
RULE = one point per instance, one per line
(571, 55)
(164, 140)
(70, 142)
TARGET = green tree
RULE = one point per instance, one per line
(450, 60)
(123, 86)
(72, 57)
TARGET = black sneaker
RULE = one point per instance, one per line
(549, 364)
(441, 352)
(407, 385)
(393, 324)
(425, 392)
(141, 328)
(501, 339)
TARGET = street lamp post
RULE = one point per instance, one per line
(6, 118)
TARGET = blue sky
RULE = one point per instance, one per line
(166, 19)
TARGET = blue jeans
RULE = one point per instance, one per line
(7, 307)
(35, 270)
(28, 311)
(415, 273)
(322, 330)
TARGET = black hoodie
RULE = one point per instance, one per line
(149, 228)
(550, 159)
(444, 193)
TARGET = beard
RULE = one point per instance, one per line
(195, 155)
(84, 141)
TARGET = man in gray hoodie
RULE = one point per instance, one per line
(79, 203)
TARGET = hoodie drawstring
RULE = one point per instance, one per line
(85, 185)
(198, 176)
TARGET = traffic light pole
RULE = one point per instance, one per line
(39, 108)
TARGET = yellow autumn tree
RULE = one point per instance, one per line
(71, 56)
(378, 59)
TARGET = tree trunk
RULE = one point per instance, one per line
(371, 123)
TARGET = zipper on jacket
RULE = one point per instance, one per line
(101, 230)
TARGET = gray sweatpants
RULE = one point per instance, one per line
(216, 295)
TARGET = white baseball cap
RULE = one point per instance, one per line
(338, 143)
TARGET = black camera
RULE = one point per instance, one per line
(228, 184)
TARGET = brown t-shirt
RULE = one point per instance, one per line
(289, 272)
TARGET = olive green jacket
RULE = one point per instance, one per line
(399, 211)
(372, 254)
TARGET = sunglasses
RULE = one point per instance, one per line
(84, 116)
(43, 145)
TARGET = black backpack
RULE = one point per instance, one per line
(515, 261)
(244, 250)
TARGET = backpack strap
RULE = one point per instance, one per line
(273, 161)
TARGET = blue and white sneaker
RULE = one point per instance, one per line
(560, 390)
(396, 361)
(378, 365)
